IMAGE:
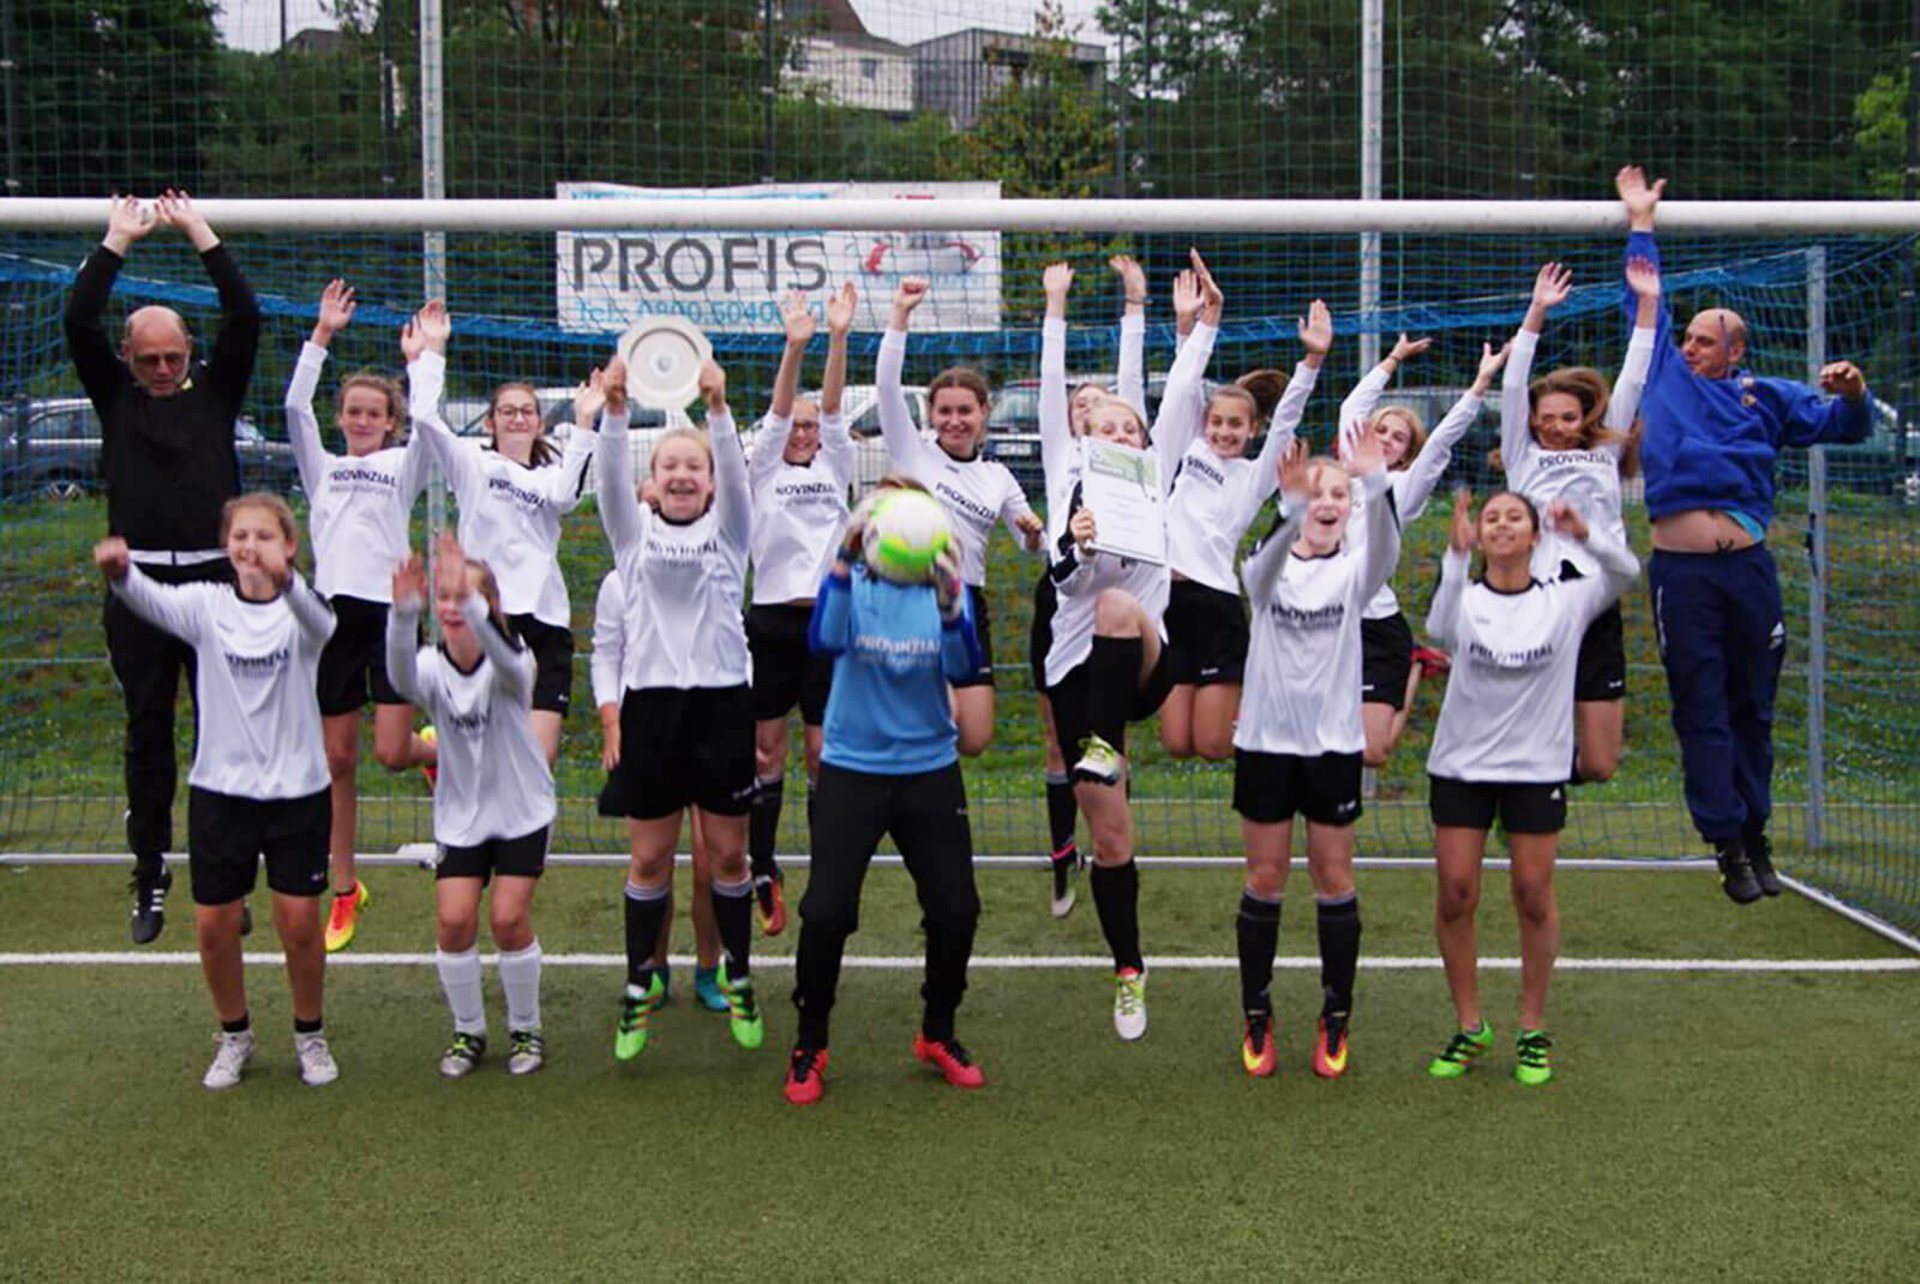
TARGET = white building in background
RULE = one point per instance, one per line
(831, 53)
(957, 73)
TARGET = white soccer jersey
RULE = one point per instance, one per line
(683, 583)
(1302, 691)
(357, 505)
(799, 510)
(1413, 485)
(1587, 479)
(1059, 456)
(509, 515)
(609, 658)
(1508, 713)
(977, 492)
(1214, 499)
(257, 665)
(494, 781)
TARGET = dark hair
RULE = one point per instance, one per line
(1266, 388)
(1533, 514)
(964, 377)
(267, 501)
(1585, 385)
(543, 452)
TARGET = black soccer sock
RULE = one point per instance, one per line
(763, 825)
(240, 1025)
(1339, 951)
(1258, 928)
(816, 978)
(1116, 896)
(150, 866)
(314, 1026)
(1062, 812)
(1113, 675)
(733, 919)
(646, 909)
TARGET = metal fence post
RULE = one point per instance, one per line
(1817, 559)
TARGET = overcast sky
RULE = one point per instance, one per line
(255, 24)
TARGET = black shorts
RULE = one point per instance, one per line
(1206, 635)
(1069, 697)
(227, 836)
(1523, 808)
(1270, 788)
(1601, 672)
(552, 648)
(925, 812)
(1046, 600)
(1386, 658)
(982, 629)
(683, 747)
(522, 857)
(786, 671)
(353, 664)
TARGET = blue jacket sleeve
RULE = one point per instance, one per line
(832, 623)
(1811, 418)
(960, 654)
(1642, 245)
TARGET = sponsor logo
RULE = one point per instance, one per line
(257, 666)
(1347, 808)
(504, 488)
(1198, 463)
(1528, 658)
(1312, 619)
(976, 513)
(678, 554)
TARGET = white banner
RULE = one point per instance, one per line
(732, 281)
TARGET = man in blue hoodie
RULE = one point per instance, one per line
(1712, 430)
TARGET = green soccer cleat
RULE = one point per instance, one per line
(1532, 1064)
(744, 1022)
(1461, 1051)
(630, 1036)
(1099, 762)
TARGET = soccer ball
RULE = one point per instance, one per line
(906, 531)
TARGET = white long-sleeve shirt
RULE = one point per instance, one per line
(257, 666)
(799, 510)
(609, 641)
(509, 514)
(1130, 386)
(494, 781)
(1508, 713)
(977, 492)
(1587, 479)
(1215, 499)
(1302, 691)
(1413, 485)
(683, 583)
(358, 505)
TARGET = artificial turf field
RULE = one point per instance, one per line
(1703, 1124)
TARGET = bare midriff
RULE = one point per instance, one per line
(1700, 530)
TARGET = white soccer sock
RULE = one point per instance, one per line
(520, 978)
(460, 978)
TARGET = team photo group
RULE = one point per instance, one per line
(750, 578)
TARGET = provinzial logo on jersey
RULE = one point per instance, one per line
(359, 478)
(1312, 619)
(1198, 463)
(257, 666)
(900, 655)
(1531, 657)
(504, 487)
(474, 721)
(659, 550)
(972, 509)
(810, 492)
(1549, 459)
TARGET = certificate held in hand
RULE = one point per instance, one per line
(1123, 488)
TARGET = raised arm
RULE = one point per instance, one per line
(906, 453)
(1253, 485)
(1623, 405)
(1130, 381)
(403, 630)
(1380, 552)
(1641, 200)
(237, 344)
(836, 443)
(1183, 403)
(1443, 619)
(423, 342)
(732, 500)
(508, 661)
(770, 442)
(1517, 447)
(1414, 487)
(93, 353)
(619, 506)
(1267, 564)
(303, 426)
(1056, 427)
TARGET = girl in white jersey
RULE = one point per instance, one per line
(511, 500)
(358, 508)
(1298, 742)
(977, 491)
(1391, 665)
(493, 802)
(801, 465)
(1217, 492)
(1564, 437)
(1502, 745)
(686, 721)
(259, 775)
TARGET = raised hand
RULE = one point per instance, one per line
(1187, 300)
(1641, 199)
(450, 568)
(1405, 349)
(409, 583)
(1643, 278)
(841, 305)
(1460, 538)
(1057, 280)
(113, 558)
(1212, 301)
(1316, 329)
(1843, 379)
(912, 292)
(128, 219)
(336, 311)
(1364, 455)
(613, 385)
(1491, 362)
(797, 318)
(274, 562)
(1552, 286)
(713, 386)
(177, 210)
(1294, 473)
(1133, 278)
(435, 325)
(589, 399)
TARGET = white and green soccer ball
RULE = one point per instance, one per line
(906, 531)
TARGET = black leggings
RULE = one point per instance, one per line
(926, 813)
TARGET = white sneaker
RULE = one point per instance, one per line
(1066, 873)
(317, 1066)
(1129, 1004)
(527, 1052)
(462, 1055)
(230, 1054)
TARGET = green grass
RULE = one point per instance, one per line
(1753, 1127)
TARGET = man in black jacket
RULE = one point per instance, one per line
(166, 449)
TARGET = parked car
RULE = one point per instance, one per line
(53, 449)
(1013, 427)
(860, 403)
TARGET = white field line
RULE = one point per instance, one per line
(1006, 962)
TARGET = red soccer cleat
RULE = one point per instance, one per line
(806, 1075)
(950, 1059)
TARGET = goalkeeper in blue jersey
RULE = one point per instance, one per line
(1712, 430)
(890, 764)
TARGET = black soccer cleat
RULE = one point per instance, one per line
(1737, 878)
(1760, 855)
(149, 903)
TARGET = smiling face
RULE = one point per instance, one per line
(682, 475)
(1508, 529)
(1081, 404)
(1559, 421)
(959, 419)
(1715, 343)
(1111, 419)
(157, 350)
(803, 443)
(1329, 505)
(1395, 431)
(1230, 423)
(514, 420)
(366, 417)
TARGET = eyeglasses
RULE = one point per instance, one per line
(516, 412)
